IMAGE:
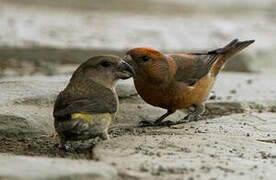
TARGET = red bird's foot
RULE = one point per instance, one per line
(162, 123)
(145, 123)
(188, 118)
(172, 123)
(167, 123)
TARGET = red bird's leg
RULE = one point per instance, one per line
(193, 116)
(157, 122)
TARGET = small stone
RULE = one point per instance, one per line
(213, 178)
(233, 91)
(143, 168)
(228, 97)
(249, 81)
(241, 155)
(185, 149)
(161, 168)
(212, 96)
(158, 154)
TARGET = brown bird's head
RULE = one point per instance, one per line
(105, 70)
(149, 64)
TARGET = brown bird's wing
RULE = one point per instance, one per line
(93, 99)
(85, 105)
(193, 66)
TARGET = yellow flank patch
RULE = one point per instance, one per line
(83, 116)
(94, 118)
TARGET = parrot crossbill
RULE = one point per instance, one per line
(86, 107)
(178, 81)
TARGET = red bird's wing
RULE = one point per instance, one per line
(192, 67)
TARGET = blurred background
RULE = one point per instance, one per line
(53, 37)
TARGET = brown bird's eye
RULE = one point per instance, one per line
(145, 58)
(105, 64)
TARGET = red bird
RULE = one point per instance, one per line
(178, 81)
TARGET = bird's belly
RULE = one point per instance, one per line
(196, 95)
(178, 96)
(84, 126)
(153, 96)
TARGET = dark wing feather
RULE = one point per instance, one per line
(192, 67)
(94, 99)
(85, 106)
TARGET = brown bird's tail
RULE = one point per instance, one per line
(228, 51)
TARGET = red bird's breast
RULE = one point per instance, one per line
(176, 95)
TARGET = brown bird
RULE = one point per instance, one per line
(86, 107)
(178, 81)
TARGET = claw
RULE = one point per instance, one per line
(105, 136)
(167, 123)
(66, 148)
(63, 147)
(149, 123)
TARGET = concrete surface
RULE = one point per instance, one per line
(236, 139)
(229, 147)
(34, 168)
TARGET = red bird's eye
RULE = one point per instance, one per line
(145, 58)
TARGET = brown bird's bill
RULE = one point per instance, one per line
(128, 59)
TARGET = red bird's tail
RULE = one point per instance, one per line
(228, 51)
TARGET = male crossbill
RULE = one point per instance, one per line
(178, 81)
(86, 107)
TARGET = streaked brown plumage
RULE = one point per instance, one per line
(178, 81)
(85, 108)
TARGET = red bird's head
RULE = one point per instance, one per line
(149, 64)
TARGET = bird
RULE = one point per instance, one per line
(178, 81)
(88, 104)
